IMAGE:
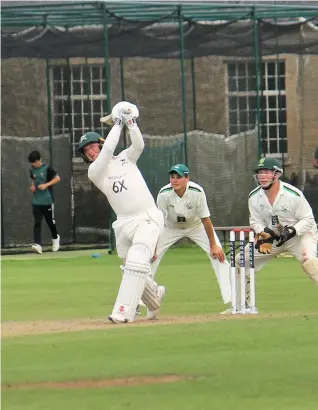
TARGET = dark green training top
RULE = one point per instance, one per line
(40, 176)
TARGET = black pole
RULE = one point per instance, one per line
(256, 41)
(49, 108)
(194, 99)
(2, 220)
(106, 63)
(280, 145)
(108, 110)
(122, 92)
(70, 132)
(183, 84)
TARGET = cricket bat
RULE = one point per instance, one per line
(107, 120)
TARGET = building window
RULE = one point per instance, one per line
(79, 100)
(242, 103)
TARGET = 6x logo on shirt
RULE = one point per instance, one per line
(119, 186)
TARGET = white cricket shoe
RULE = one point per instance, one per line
(161, 293)
(37, 248)
(117, 318)
(56, 244)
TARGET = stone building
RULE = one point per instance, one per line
(225, 99)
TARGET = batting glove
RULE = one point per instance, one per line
(125, 111)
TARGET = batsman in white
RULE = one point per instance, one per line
(186, 215)
(139, 222)
(282, 220)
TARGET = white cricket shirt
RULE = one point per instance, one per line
(184, 212)
(290, 208)
(119, 178)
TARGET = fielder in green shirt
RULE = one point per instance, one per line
(43, 178)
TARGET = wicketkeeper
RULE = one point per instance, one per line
(283, 221)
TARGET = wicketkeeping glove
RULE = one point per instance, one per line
(287, 233)
(264, 241)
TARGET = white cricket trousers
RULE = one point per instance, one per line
(198, 235)
(143, 228)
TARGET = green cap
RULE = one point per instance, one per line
(180, 169)
(269, 163)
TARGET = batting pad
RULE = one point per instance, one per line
(133, 281)
(131, 288)
(138, 258)
(311, 268)
(149, 297)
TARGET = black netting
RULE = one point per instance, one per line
(150, 39)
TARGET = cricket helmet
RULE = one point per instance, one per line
(87, 139)
(269, 163)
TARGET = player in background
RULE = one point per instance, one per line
(282, 220)
(43, 178)
(139, 221)
(186, 215)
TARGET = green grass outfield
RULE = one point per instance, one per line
(62, 354)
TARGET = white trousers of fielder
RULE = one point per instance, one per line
(198, 235)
